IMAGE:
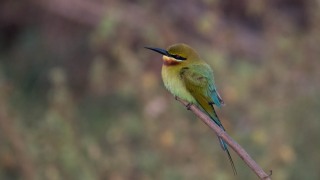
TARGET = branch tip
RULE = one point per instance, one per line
(269, 175)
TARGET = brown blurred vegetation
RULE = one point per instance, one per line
(81, 99)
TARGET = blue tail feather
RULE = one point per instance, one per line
(224, 146)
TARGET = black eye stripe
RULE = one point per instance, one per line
(178, 57)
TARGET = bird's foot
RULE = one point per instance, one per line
(189, 106)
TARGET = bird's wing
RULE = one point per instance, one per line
(201, 75)
(198, 80)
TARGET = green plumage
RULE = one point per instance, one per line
(188, 77)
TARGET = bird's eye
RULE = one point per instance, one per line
(179, 57)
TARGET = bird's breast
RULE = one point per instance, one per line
(173, 82)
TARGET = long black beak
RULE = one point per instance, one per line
(159, 50)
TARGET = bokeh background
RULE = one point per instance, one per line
(80, 98)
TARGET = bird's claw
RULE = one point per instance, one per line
(188, 106)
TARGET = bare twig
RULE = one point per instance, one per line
(234, 145)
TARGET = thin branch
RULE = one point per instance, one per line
(233, 144)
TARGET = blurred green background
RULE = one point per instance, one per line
(80, 98)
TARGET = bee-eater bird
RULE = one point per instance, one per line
(190, 78)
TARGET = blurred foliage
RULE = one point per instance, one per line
(80, 98)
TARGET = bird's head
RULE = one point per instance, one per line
(177, 54)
